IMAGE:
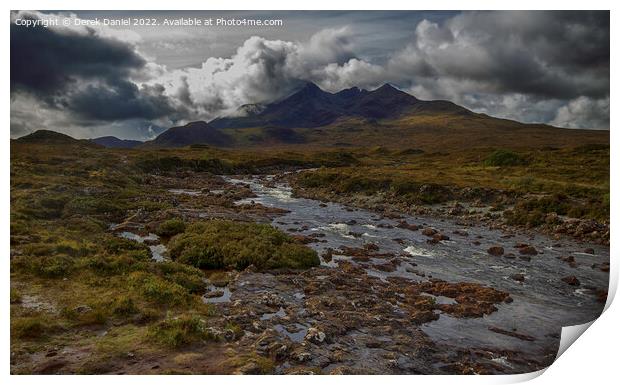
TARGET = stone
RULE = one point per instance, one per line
(496, 251)
(315, 335)
(571, 280)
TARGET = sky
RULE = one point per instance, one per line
(135, 81)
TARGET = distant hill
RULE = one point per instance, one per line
(114, 142)
(53, 137)
(192, 133)
(313, 107)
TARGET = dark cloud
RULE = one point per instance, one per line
(546, 54)
(84, 72)
(46, 61)
(121, 100)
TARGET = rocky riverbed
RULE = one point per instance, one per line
(405, 294)
(395, 293)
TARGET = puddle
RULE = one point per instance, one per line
(157, 251)
(295, 336)
(139, 238)
(224, 297)
(267, 316)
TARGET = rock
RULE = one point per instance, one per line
(571, 280)
(82, 309)
(328, 255)
(518, 277)
(552, 218)
(408, 226)
(457, 209)
(249, 368)
(589, 250)
(496, 251)
(301, 356)
(528, 250)
(315, 335)
(570, 260)
(429, 232)
(342, 370)
(441, 237)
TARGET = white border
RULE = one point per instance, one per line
(592, 359)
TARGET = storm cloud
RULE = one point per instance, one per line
(550, 67)
(84, 72)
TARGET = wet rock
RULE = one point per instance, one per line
(571, 280)
(249, 368)
(343, 370)
(441, 237)
(457, 209)
(271, 300)
(526, 258)
(528, 250)
(408, 226)
(570, 260)
(604, 267)
(315, 335)
(496, 251)
(518, 277)
(429, 232)
(589, 250)
(328, 255)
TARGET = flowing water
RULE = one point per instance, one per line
(542, 304)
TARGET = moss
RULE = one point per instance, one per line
(170, 228)
(222, 244)
(180, 331)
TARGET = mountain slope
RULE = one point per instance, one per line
(192, 133)
(114, 142)
(53, 137)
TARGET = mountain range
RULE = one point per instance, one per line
(358, 117)
(313, 107)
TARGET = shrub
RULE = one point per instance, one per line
(170, 228)
(176, 332)
(221, 244)
(159, 290)
(504, 158)
(29, 327)
(124, 306)
(50, 266)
